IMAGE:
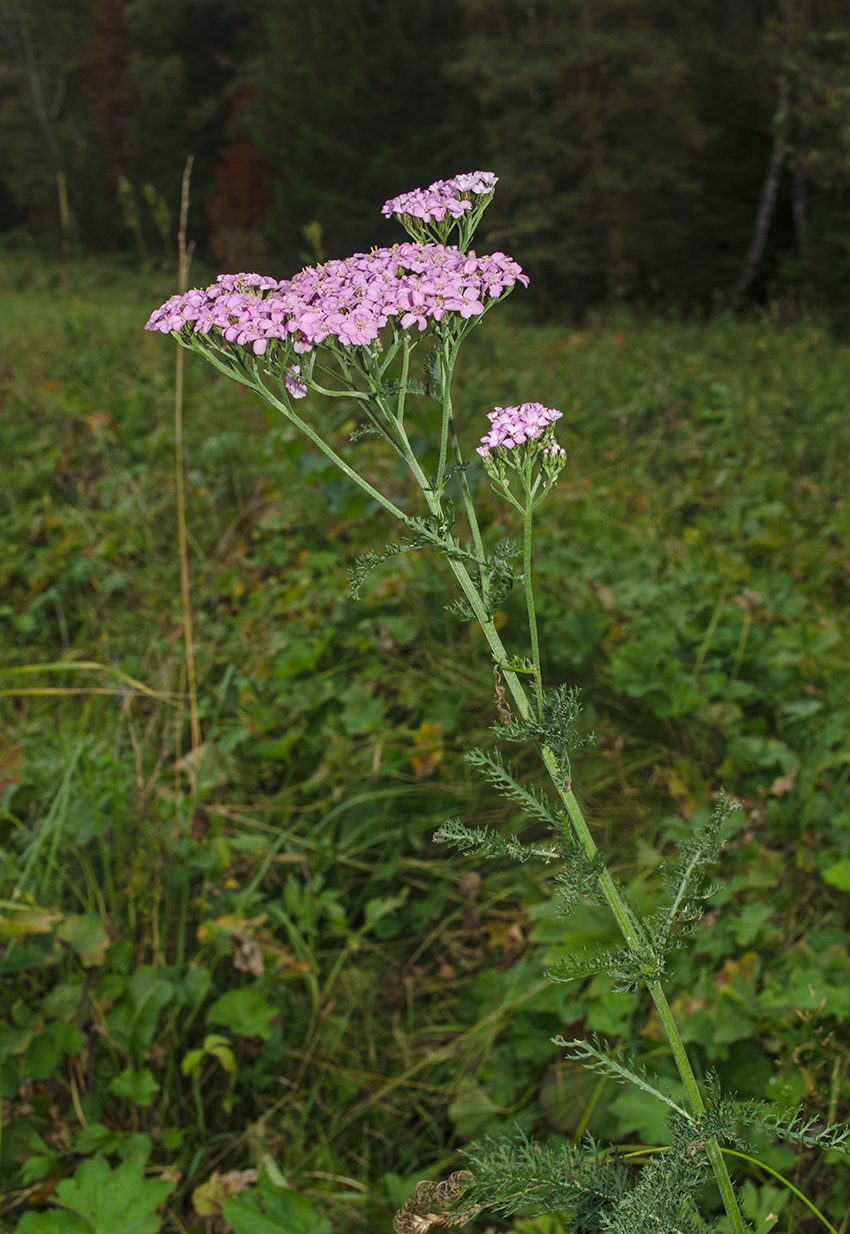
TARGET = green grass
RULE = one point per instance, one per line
(385, 1003)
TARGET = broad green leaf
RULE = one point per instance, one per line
(286, 1212)
(63, 1000)
(192, 988)
(761, 1205)
(638, 1111)
(48, 1048)
(243, 1011)
(133, 1020)
(118, 1201)
(34, 1169)
(136, 1145)
(291, 1211)
(382, 905)
(96, 1138)
(139, 1086)
(87, 935)
(13, 1040)
(472, 1110)
(191, 1062)
(52, 1221)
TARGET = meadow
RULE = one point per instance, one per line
(246, 952)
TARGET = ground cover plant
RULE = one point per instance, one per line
(700, 610)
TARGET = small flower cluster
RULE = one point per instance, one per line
(513, 426)
(346, 300)
(443, 197)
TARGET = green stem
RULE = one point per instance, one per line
(449, 435)
(529, 602)
(200, 1121)
(446, 369)
(331, 454)
(402, 394)
(731, 1152)
(469, 508)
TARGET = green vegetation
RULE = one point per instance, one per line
(244, 964)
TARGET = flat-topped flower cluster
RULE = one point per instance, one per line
(513, 426)
(443, 197)
(348, 300)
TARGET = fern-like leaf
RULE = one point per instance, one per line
(726, 1114)
(662, 1198)
(627, 970)
(535, 804)
(484, 842)
(685, 881)
(512, 1174)
(595, 1059)
(557, 728)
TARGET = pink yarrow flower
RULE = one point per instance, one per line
(514, 426)
(452, 197)
(345, 302)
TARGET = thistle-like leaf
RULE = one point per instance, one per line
(519, 664)
(365, 563)
(579, 882)
(578, 966)
(627, 970)
(460, 608)
(431, 365)
(392, 385)
(364, 430)
(500, 588)
(427, 533)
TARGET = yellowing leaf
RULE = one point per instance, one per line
(88, 936)
(20, 920)
(210, 1197)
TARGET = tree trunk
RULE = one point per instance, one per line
(769, 188)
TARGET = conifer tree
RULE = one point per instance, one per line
(590, 122)
(353, 104)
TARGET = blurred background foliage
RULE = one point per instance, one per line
(651, 151)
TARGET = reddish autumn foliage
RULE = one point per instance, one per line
(106, 60)
(241, 198)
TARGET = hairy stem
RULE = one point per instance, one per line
(529, 602)
(449, 436)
